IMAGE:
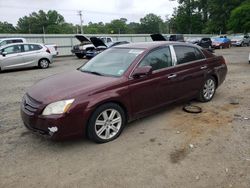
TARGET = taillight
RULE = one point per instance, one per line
(48, 50)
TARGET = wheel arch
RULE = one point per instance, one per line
(125, 109)
(42, 59)
(216, 79)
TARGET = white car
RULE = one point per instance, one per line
(5, 41)
(22, 55)
(249, 58)
(53, 49)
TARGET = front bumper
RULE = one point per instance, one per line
(55, 127)
(77, 51)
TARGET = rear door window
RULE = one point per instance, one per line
(31, 47)
(187, 54)
(109, 40)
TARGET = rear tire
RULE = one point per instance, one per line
(208, 90)
(43, 63)
(106, 123)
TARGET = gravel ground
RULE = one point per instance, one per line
(168, 149)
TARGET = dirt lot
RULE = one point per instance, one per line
(168, 149)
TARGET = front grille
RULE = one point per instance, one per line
(30, 105)
(76, 47)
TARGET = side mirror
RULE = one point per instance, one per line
(3, 53)
(142, 71)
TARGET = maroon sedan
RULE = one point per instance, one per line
(121, 84)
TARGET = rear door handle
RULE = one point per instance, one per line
(203, 67)
(172, 75)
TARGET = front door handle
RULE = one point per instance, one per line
(203, 67)
(172, 75)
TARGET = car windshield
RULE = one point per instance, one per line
(111, 62)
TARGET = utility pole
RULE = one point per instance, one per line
(81, 20)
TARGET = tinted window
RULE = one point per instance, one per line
(158, 59)
(109, 40)
(32, 47)
(13, 49)
(16, 41)
(186, 54)
(3, 43)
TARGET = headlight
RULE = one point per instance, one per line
(58, 107)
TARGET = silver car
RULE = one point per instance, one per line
(22, 55)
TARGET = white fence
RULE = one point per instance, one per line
(66, 42)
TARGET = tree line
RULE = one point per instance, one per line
(191, 16)
(211, 16)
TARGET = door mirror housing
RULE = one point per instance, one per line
(3, 53)
(142, 71)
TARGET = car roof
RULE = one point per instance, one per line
(19, 43)
(151, 45)
(2, 39)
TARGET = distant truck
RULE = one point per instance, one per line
(85, 45)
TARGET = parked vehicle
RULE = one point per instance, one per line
(22, 55)
(249, 58)
(53, 49)
(80, 50)
(174, 37)
(119, 85)
(100, 46)
(5, 41)
(205, 42)
(221, 42)
(240, 40)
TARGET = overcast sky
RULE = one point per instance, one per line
(93, 10)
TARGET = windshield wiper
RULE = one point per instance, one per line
(93, 72)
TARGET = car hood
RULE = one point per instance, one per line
(68, 85)
(82, 38)
(237, 39)
(97, 42)
(158, 37)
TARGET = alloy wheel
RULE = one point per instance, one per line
(108, 124)
(44, 64)
(209, 89)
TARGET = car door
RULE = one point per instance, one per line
(13, 57)
(31, 53)
(146, 92)
(190, 71)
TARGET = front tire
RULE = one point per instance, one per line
(43, 63)
(106, 123)
(208, 90)
(80, 56)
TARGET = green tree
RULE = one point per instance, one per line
(6, 27)
(219, 14)
(50, 22)
(240, 18)
(151, 23)
(117, 26)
